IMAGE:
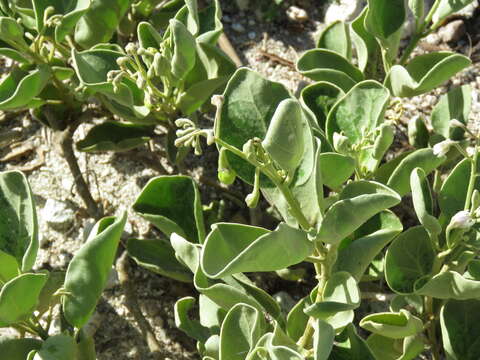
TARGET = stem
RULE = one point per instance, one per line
(471, 183)
(295, 208)
(420, 33)
(66, 144)
(431, 330)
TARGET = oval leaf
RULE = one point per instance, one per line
(359, 201)
(235, 248)
(87, 273)
(172, 203)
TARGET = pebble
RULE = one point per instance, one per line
(58, 215)
(453, 31)
(432, 39)
(343, 10)
(469, 10)
(297, 14)
(242, 4)
(252, 35)
(238, 28)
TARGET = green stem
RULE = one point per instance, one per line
(295, 208)
(473, 177)
(420, 33)
(432, 330)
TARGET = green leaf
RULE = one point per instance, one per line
(423, 202)
(449, 285)
(242, 328)
(71, 11)
(210, 22)
(368, 49)
(11, 32)
(460, 325)
(284, 140)
(157, 256)
(114, 136)
(424, 73)
(423, 158)
(250, 102)
(18, 349)
(340, 294)
(322, 339)
(190, 327)
(455, 104)
(173, 204)
(353, 349)
(336, 37)
(409, 258)
(383, 173)
(148, 36)
(100, 22)
(375, 234)
(418, 134)
(183, 59)
(320, 98)
(87, 273)
(46, 300)
(385, 348)
(392, 325)
(385, 18)
(329, 66)
(19, 88)
(19, 297)
(297, 319)
(14, 55)
(357, 114)
(58, 347)
(448, 7)
(453, 192)
(9, 268)
(336, 169)
(235, 248)
(359, 201)
(18, 222)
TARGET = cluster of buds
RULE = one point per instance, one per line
(50, 19)
(189, 135)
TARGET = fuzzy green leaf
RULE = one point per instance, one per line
(235, 248)
(19, 297)
(409, 258)
(173, 204)
(114, 136)
(18, 222)
(336, 37)
(18, 349)
(87, 273)
(359, 201)
(425, 73)
(392, 325)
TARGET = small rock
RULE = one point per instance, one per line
(238, 28)
(469, 10)
(252, 35)
(58, 215)
(226, 18)
(251, 22)
(343, 10)
(295, 13)
(433, 39)
(453, 31)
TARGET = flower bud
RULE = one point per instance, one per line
(456, 123)
(442, 148)
(341, 144)
(461, 220)
(226, 174)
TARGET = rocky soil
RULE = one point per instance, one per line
(270, 47)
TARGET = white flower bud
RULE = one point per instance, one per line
(461, 220)
(442, 148)
(131, 48)
(217, 100)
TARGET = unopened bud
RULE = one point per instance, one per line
(131, 48)
(442, 148)
(456, 123)
(461, 220)
(341, 143)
